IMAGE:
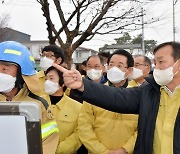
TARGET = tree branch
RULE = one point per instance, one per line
(46, 14)
(69, 19)
(93, 25)
(61, 15)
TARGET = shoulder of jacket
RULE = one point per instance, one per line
(71, 101)
(42, 100)
(88, 106)
(41, 74)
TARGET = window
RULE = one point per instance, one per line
(78, 54)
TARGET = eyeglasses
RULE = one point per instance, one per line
(136, 65)
(120, 66)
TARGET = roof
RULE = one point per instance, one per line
(10, 29)
(86, 49)
(8, 34)
(123, 46)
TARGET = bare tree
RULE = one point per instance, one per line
(88, 18)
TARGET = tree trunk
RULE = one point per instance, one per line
(69, 61)
(68, 54)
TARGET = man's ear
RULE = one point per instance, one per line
(129, 71)
(58, 60)
(148, 70)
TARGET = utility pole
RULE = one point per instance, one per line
(143, 46)
(174, 26)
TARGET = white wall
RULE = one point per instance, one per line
(79, 58)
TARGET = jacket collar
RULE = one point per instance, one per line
(19, 96)
(150, 79)
(61, 103)
(103, 79)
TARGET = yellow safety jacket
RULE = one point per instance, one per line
(101, 130)
(165, 122)
(66, 112)
(133, 83)
(41, 77)
(50, 132)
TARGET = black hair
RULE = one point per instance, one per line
(130, 60)
(60, 74)
(104, 54)
(100, 58)
(19, 79)
(57, 51)
(84, 62)
(174, 45)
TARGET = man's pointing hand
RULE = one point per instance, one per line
(72, 78)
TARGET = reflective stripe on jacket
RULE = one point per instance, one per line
(48, 129)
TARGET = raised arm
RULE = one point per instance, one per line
(120, 100)
(114, 99)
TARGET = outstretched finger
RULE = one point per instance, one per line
(60, 68)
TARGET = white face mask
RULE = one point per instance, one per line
(115, 75)
(45, 63)
(137, 73)
(7, 82)
(94, 74)
(163, 77)
(51, 87)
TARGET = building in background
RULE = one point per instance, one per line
(13, 35)
(134, 49)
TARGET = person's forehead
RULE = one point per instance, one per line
(52, 72)
(93, 60)
(8, 63)
(119, 58)
(164, 52)
(48, 52)
(139, 59)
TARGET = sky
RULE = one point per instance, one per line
(26, 16)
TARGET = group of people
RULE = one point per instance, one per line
(156, 102)
(103, 131)
(115, 107)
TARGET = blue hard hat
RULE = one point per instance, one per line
(11, 51)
